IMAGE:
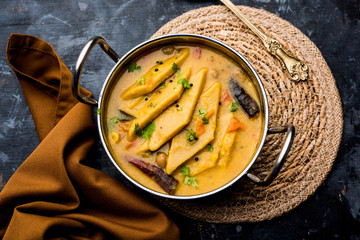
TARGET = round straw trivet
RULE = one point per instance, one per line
(312, 106)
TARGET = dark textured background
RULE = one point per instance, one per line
(333, 25)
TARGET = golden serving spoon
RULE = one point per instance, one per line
(295, 69)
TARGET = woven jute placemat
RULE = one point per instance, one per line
(312, 106)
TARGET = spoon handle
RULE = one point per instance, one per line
(295, 69)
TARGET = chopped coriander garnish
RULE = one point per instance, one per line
(234, 106)
(190, 135)
(114, 120)
(138, 131)
(191, 181)
(202, 112)
(133, 67)
(173, 187)
(209, 147)
(154, 106)
(148, 130)
(179, 109)
(175, 67)
(162, 85)
(185, 84)
(141, 80)
(185, 171)
(205, 120)
(122, 117)
(98, 111)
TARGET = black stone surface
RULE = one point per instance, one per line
(333, 212)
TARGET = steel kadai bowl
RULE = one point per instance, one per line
(180, 39)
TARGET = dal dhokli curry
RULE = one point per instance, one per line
(183, 120)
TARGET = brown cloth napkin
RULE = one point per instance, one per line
(54, 194)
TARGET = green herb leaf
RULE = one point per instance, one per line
(190, 135)
(133, 67)
(141, 80)
(114, 120)
(148, 130)
(138, 131)
(179, 109)
(209, 147)
(162, 85)
(175, 67)
(205, 120)
(122, 117)
(185, 171)
(185, 84)
(98, 111)
(202, 112)
(234, 106)
(191, 181)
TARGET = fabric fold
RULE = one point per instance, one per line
(54, 194)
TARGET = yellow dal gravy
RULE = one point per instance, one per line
(246, 140)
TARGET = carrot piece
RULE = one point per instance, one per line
(200, 128)
(209, 114)
(234, 125)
